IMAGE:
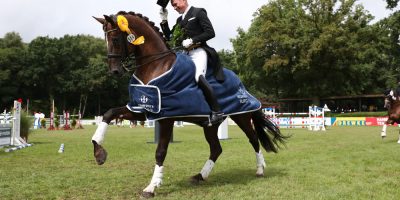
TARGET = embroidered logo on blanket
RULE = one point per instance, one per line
(242, 96)
(146, 97)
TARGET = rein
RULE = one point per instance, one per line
(128, 61)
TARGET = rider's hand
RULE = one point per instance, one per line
(186, 43)
(164, 14)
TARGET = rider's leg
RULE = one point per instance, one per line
(199, 57)
(216, 114)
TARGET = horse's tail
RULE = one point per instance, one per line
(268, 133)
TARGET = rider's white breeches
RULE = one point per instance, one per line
(199, 57)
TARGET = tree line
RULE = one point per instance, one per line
(70, 70)
(293, 48)
(316, 48)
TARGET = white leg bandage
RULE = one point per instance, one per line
(383, 133)
(207, 169)
(100, 132)
(260, 159)
(260, 163)
(156, 180)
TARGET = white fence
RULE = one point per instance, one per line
(314, 119)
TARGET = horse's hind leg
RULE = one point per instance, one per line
(166, 126)
(244, 122)
(215, 151)
(122, 112)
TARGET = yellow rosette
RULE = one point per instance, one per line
(123, 25)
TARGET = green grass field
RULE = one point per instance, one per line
(341, 163)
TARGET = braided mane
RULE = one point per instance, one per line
(146, 19)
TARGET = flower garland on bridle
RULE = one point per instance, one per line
(178, 35)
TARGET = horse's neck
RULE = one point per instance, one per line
(393, 106)
(395, 103)
(150, 71)
(153, 57)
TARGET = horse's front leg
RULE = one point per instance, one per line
(166, 127)
(398, 141)
(211, 134)
(98, 138)
(383, 132)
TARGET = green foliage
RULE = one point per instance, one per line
(228, 60)
(25, 125)
(56, 122)
(43, 123)
(73, 123)
(392, 3)
(309, 49)
(178, 35)
(11, 40)
(64, 69)
(387, 51)
(12, 61)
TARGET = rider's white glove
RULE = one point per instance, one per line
(186, 43)
(164, 14)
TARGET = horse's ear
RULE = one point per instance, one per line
(109, 19)
(101, 20)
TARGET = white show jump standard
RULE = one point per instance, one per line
(16, 139)
(316, 118)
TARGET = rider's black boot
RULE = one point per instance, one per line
(216, 116)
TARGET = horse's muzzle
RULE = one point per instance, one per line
(116, 72)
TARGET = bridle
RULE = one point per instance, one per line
(128, 60)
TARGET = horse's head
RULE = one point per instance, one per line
(388, 98)
(387, 103)
(130, 39)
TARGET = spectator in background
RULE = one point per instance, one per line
(36, 122)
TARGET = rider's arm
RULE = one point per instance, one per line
(208, 30)
(165, 29)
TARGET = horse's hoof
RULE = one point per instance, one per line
(146, 195)
(383, 136)
(196, 179)
(100, 155)
(260, 175)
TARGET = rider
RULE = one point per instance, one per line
(394, 94)
(397, 91)
(198, 28)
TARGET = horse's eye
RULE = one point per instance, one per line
(115, 41)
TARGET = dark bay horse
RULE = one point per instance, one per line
(153, 58)
(392, 103)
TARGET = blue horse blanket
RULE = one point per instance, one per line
(176, 94)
